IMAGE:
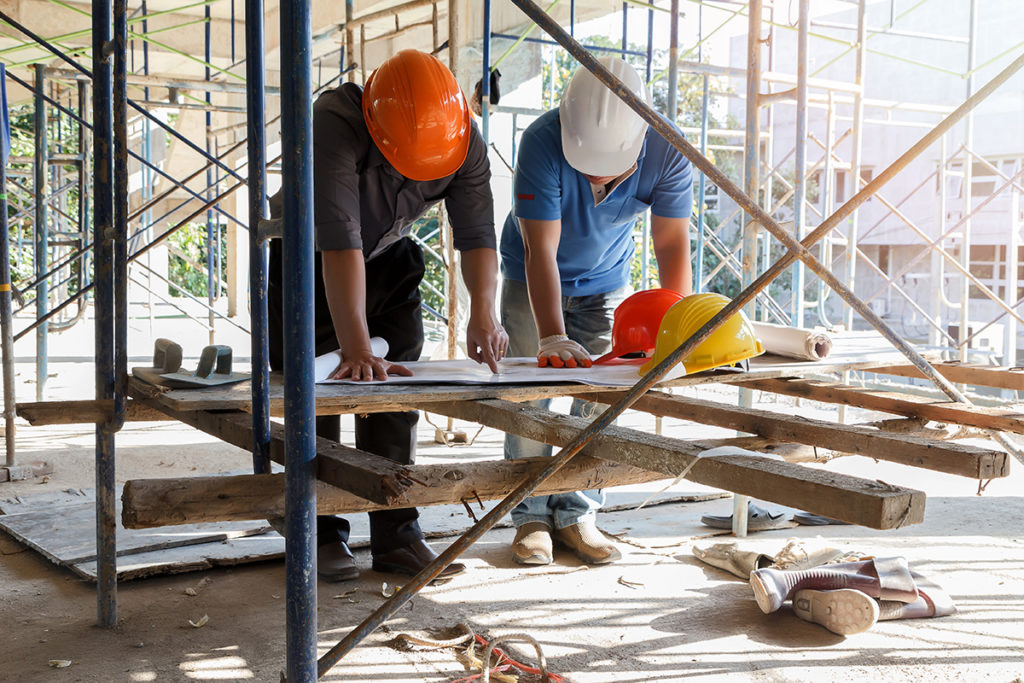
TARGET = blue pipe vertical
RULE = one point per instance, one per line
(800, 181)
(572, 18)
(299, 402)
(625, 29)
(673, 63)
(84, 190)
(255, 78)
(120, 212)
(120, 203)
(211, 243)
(698, 279)
(752, 147)
(650, 43)
(485, 84)
(42, 232)
(103, 297)
(6, 316)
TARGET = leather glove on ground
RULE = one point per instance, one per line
(559, 351)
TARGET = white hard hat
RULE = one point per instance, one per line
(601, 135)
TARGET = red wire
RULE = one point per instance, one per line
(525, 668)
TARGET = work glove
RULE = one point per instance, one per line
(559, 351)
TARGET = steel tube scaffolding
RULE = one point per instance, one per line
(6, 318)
(256, 128)
(299, 405)
(103, 298)
(296, 39)
(40, 191)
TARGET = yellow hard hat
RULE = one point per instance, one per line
(731, 343)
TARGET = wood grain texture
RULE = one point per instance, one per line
(894, 402)
(978, 375)
(851, 351)
(157, 502)
(366, 475)
(868, 503)
(952, 458)
(85, 412)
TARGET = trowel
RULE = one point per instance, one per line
(214, 369)
(166, 358)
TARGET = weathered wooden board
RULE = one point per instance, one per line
(66, 534)
(851, 351)
(999, 419)
(158, 502)
(952, 458)
(85, 412)
(868, 503)
(192, 558)
(978, 375)
(364, 474)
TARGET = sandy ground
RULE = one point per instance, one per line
(657, 615)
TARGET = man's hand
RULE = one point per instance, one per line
(486, 341)
(363, 366)
(559, 351)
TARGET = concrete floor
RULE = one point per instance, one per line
(657, 615)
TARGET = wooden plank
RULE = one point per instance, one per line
(227, 553)
(999, 419)
(159, 502)
(66, 534)
(798, 452)
(868, 503)
(364, 474)
(85, 412)
(851, 351)
(978, 375)
(952, 458)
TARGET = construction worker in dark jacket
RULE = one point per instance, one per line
(382, 156)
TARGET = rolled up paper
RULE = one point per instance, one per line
(325, 366)
(793, 342)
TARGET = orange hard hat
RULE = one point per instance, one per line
(637, 321)
(417, 115)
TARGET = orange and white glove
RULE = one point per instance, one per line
(559, 351)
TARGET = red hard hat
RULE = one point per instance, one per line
(417, 115)
(637, 321)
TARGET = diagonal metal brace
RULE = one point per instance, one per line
(795, 249)
(605, 419)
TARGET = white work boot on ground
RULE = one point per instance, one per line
(532, 544)
(844, 611)
(587, 541)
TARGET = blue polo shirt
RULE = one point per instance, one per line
(596, 245)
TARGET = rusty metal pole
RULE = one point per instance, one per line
(607, 418)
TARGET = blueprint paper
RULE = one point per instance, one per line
(510, 371)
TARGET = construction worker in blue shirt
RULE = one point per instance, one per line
(584, 174)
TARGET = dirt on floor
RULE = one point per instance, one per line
(658, 614)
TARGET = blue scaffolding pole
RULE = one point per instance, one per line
(103, 219)
(42, 236)
(299, 400)
(257, 133)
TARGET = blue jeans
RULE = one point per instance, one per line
(588, 321)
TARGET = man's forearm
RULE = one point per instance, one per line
(345, 286)
(545, 290)
(671, 238)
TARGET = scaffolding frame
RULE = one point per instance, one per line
(113, 252)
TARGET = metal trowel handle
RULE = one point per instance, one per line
(216, 354)
(166, 355)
